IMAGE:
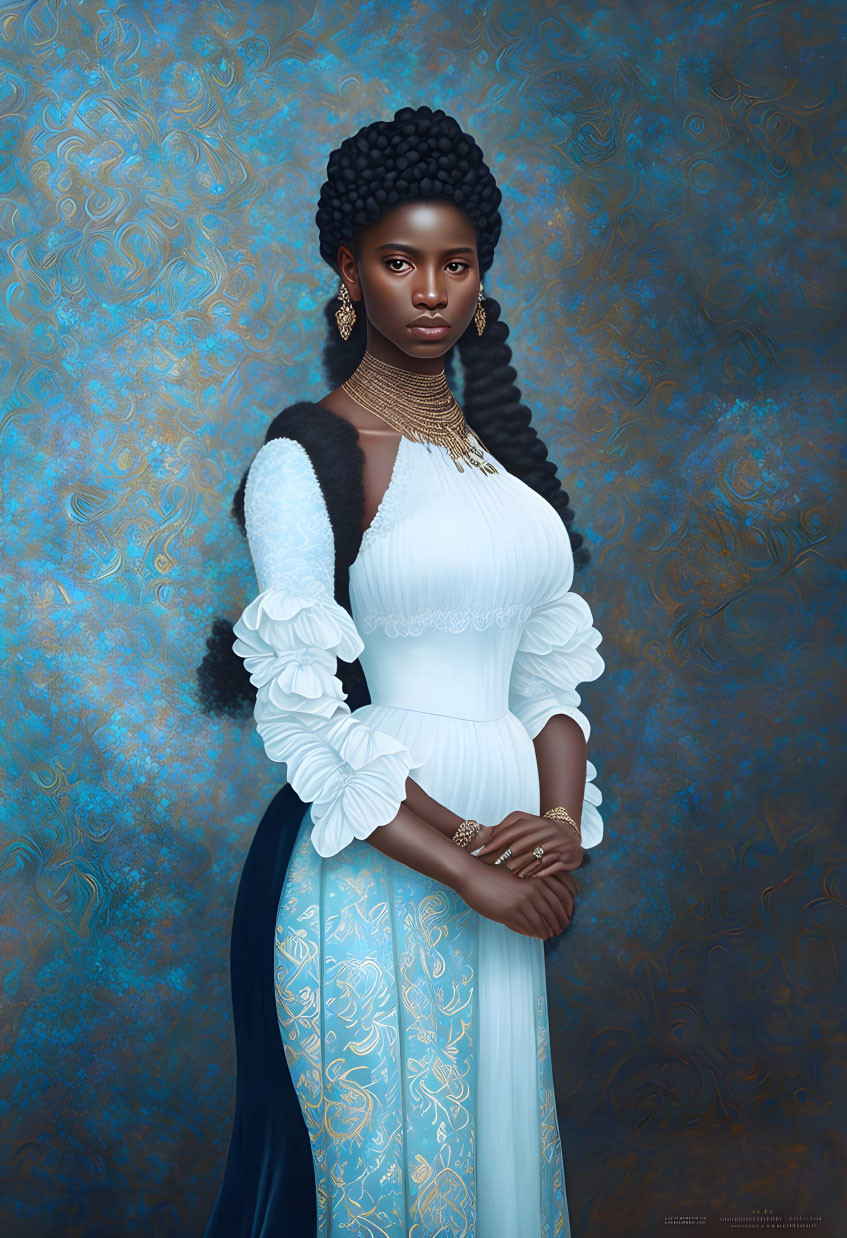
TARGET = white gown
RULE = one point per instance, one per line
(415, 1030)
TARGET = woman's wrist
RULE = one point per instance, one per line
(483, 835)
(557, 812)
(413, 841)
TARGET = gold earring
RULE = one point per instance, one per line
(479, 314)
(346, 315)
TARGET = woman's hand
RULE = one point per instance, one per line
(535, 908)
(523, 832)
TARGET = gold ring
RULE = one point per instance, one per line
(504, 856)
(538, 852)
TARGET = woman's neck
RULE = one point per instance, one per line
(381, 349)
(408, 401)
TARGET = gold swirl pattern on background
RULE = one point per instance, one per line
(672, 269)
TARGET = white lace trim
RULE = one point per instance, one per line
(446, 620)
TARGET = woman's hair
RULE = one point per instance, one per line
(422, 155)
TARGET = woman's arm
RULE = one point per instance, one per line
(562, 754)
(430, 810)
(537, 909)
(557, 653)
(412, 840)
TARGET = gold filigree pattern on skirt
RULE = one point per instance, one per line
(375, 985)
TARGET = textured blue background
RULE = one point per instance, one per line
(673, 270)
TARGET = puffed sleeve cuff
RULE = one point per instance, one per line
(352, 774)
(557, 651)
(290, 644)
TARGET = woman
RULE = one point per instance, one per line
(433, 820)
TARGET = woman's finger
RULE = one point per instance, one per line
(525, 927)
(567, 864)
(520, 836)
(521, 862)
(555, 867)
(523, 829)
(559, 884)
(549, 905)
(502, 838)
(550, 855)
(529, 869)
(560, 904)
(540, 916)
(568, 880)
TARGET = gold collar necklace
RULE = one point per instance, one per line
(420, 406)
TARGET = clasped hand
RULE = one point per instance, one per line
(523, 832)
(542, 907)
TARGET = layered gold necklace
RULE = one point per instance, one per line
(420, 406)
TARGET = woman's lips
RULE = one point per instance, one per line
(429, 333)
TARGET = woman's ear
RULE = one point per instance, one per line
(349, 273)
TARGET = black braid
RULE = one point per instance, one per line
(493, 407)
(421, 155)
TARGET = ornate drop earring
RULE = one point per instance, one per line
(479, 314)
(346, 315)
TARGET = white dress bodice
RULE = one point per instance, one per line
(461, 606)
(445, 578)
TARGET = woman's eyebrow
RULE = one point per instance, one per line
(410, 249)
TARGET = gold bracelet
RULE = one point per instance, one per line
(466, 832)
(562, 814)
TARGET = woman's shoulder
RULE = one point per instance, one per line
(344, 406)
(334, 414)
(318, 444)
(308, 420)
(280, 461)
(329, 440)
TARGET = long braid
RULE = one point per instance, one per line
(493, 407)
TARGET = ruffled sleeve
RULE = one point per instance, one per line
(290, 637)
(557, 651)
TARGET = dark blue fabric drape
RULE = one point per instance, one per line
(268, 1188)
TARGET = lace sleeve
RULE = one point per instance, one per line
(290, 637)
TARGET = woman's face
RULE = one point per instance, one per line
(417, 262)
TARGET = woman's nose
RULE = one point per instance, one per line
(431, 290)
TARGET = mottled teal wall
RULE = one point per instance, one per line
(672, 266)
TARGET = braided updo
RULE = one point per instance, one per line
(422, 155)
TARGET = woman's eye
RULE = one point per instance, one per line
(456, 263)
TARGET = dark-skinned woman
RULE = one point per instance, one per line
(413, 653)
